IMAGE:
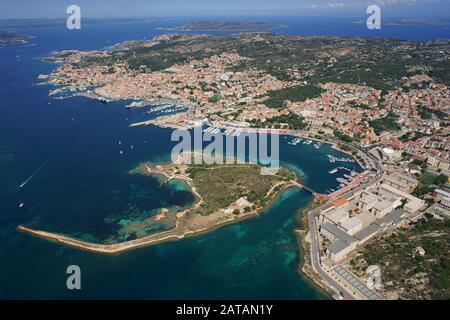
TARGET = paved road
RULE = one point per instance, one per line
(312, 216)
(315, 256)
(315, 250)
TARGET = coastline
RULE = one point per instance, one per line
(179, 232)
(305, 269)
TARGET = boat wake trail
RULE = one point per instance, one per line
(32, 176)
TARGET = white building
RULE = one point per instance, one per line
(352, 225)
(343, 243)
(367, 201)
(382, 208)
(337, 216)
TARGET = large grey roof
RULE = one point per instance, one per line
(337, 232)
(338, 246)
(406, 177)
(392, 217)
(368, 231)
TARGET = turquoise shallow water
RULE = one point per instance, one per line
(254, 259)
(85, 184)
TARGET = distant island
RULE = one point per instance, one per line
(9, 37)
(410, 22)
(58, 22)
(224, 26)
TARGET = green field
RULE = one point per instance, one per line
(388, 123)
(277, 98)
(222, 185)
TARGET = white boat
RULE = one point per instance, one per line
(34, 173)
(103, 100)
(21, 205)
(295, 141)
(333, 171)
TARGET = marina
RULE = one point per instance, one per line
(295, 142)
(93, 186)
(227, 132)
(335, 170)
(135, 104)
(334, 159)
(165, 108)
(318, 145)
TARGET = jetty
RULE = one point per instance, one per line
(103, 248)
(357, 181)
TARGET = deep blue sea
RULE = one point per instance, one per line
(84, 182)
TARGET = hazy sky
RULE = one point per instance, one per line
(168, 8)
